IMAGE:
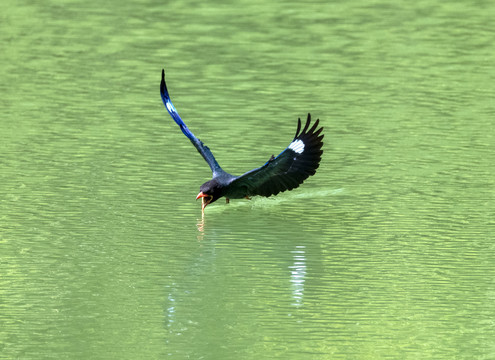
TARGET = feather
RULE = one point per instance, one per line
(288, 170)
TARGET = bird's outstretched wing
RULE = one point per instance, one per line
(289, 169)
(198, 144)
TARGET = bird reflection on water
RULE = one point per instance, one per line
(298, 274)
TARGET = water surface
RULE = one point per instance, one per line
(386, 253)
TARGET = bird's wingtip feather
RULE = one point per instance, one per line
(298, 127)
(308, 120)
(163, 86)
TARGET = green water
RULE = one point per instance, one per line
(387, 253)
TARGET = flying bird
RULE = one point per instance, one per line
(284, 172)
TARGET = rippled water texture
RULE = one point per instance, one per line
(387, 253)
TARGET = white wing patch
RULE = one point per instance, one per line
(170, 107)
(297, 146)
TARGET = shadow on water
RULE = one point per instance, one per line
(259, 202)
(272, 205)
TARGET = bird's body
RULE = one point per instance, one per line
(285, 172)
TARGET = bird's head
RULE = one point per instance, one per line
(210, 191)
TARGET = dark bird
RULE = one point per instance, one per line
(285, 172)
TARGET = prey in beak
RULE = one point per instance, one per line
(205, 198)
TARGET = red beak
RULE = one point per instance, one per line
(206, 199)
(201, 195)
